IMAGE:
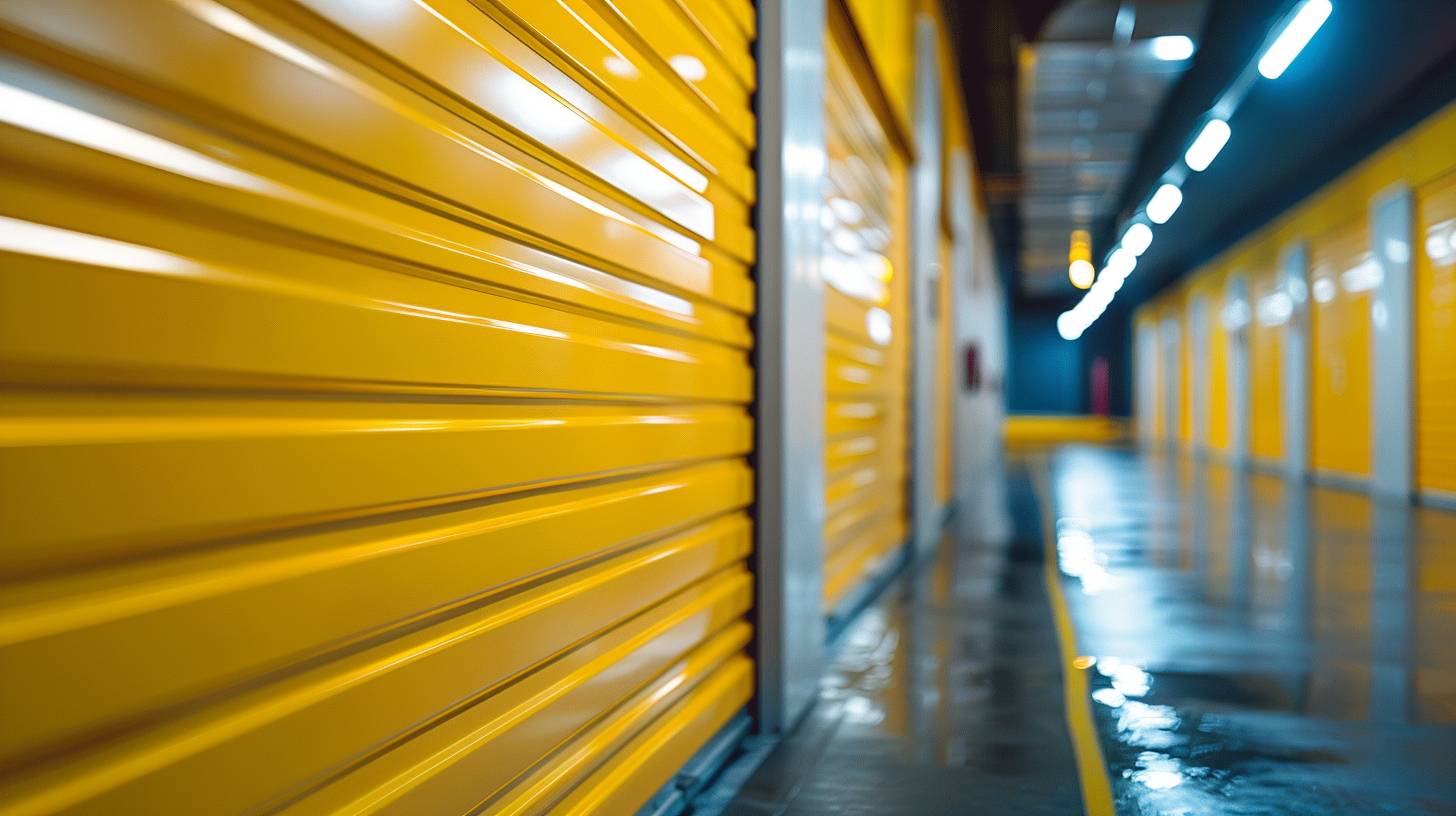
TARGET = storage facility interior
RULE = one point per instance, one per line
(812, 407)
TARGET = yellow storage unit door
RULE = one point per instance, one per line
(867, 335)
(1266, 358)
(1342, 272)
(376, 411)
(1185, 370)
(1435, 338)
(1145, 371)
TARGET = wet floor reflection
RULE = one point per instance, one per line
(1260, 645)
(945, 697)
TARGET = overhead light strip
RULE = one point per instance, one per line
(1295, 31)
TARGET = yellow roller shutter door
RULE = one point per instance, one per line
(1340, 282)
(1185, 370)
(867, 335)
(377, 402)
(1435, 340)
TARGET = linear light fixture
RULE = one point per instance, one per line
(1299, 27)
(1206, 146)
(1137, 239)
(1297, 33)
(1172, 48)
(1164, 203)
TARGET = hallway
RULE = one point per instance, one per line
(1243, 646)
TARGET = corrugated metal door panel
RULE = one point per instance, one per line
(1266, 358)
(665, 32)
(377, 433)
(886, 27)
(742, 13)
(1340, 282)
(1185, 370)
(865, 345)
(1435, 341)
(580, 38)
(1159, 402)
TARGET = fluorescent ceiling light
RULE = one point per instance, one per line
(1068, 326)
(1210, 141)
(1110, 283)
(1297, 33)
(1120, 263)
(1137, 239)
(1081, 272)
(1172, 48)
(1164, 203)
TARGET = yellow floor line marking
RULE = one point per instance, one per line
(1091, 767)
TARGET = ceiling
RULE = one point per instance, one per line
(1375, 68)
(1089, 87)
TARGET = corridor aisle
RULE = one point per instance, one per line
(1242, 645)
(945, 697)
(1262, 646)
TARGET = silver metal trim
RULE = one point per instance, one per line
(789, 361)
(1294, 402)
(924, 263)
(1392, 386)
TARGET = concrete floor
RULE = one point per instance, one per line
(1244, 645)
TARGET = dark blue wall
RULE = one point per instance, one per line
(1049, 375)
(1046, 374)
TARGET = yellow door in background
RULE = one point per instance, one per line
(377, 384)
(1185, 370)
(1342, 273)
(1435, 336)
(867, 335)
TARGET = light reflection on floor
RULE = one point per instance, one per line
(1258, 645)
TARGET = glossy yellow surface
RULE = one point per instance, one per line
(1145, 323)
(1340, 346)
(377, 402)
(1435, 340)
(867, 331)
(884, 33)
(1184, 419)
(1164, 427)
(1027, 429)
(1335, 222)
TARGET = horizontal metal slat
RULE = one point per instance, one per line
(300, 730)
(260, 196)
(452, 44)
(188, 627)
(662, 32)
(71, 493)
(363, 125)
(543, 745)
(627, 71)
(654, 755)
(322, 326)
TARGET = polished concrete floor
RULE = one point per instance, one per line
(1243, 645)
